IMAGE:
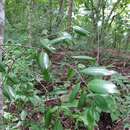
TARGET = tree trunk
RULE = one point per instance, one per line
(69, 19)
(60, 15)
(30, 22)
(2, 19)
(50, 17)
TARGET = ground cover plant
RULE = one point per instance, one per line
(65, 65)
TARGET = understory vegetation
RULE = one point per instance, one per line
(66, 65)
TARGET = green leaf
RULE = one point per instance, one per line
(46, 75)
(81, 66)
(83, 57)
(2, 67)
(90, 119)
(20, 123)
(35, 100)
(80, 30)
(11, 92)
(98, 71)
(48, 117)
(36, 126)
(82, 100)
(44, 60)
(23, 115)
(101, 102)
(46, 46)
(70, 74)
(111, 102)
(64, 38)
(71, 104)
(74, 92)
(58, 126)
(67, 35)
(127, 125)
(102, 86)
(57, 40)
(12, 79)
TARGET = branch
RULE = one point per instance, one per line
(115, 16)
(114, 7)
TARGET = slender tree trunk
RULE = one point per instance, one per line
(69, 18)
(2, 19)
(60, 15)
(50, 17)
(30, 22)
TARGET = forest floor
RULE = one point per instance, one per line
(119, 64)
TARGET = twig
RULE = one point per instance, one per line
(114, 7)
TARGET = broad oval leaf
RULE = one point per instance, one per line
(80, 30)
(102, 86)
(44, 61)
(98, 71)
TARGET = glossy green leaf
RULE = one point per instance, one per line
(67, 35)
(59, 40)
(83, 57)
(11, 92)
(98, 71)
(23, 115)
(80, 30)
(102, 86)
(44, 60)
(74, 92)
